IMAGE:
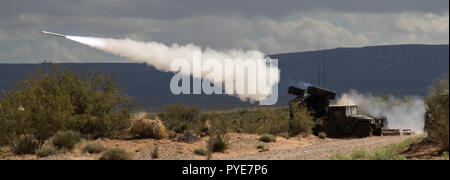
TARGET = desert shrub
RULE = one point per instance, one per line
(115, 154)
(437, 119)
(267, 120)
(268, 138)
(180, 117)
(200, 152)
(302, 122)
(65, 139)
(24, 145)
(155, 152)
(271, 121)
(46, 151)
(56, 99)
(149, 128)
(220, 143)
(359, 154)
(255, 120)
(322, 135)
(339, 156)
(93, 148)
(260, 146)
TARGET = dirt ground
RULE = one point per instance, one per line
(241, 146)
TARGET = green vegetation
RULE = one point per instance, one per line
(200, 152)
(274, 120)
(445, 154)
(437, 120)
(46, 151)
(262, 148)
(115, 154)
(180, 117)
(155, 153)
(59, 106)
(268, 138)
(93, 148)
(302, 123)
(255, 120)
(24, 144)
(388, 153)
(268, 121)
(65, 139)
(220, 143)
(57, 99)
(322, 135)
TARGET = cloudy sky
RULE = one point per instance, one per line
(266, 25)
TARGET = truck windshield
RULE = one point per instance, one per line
(351, 110)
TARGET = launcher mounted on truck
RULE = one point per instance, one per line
(336, 119)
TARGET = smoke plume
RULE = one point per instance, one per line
(405, 113)
(161, 56)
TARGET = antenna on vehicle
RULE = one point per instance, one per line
(318, 65)
(324, 67)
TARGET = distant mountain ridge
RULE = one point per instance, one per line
(393, 69)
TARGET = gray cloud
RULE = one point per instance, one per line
(169, 9)
(270, 26)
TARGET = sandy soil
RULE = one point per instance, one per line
(241, 146)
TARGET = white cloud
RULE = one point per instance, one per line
(394, 28)
(426, 28)
(297, 32)
(306, 34)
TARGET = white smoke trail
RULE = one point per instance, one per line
(161, 56)
(406, 113)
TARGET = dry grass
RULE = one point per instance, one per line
(115, 154)
(46, 151)
(148, 128)
(93, 148)
(391, 152)
(65, 139)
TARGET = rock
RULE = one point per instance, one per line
(172, 134)
(188, 137)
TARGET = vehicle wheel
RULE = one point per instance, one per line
(363, 130)
(378, 132)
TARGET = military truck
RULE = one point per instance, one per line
(336, 119)
(346, 119)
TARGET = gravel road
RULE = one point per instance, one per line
(325, 149)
